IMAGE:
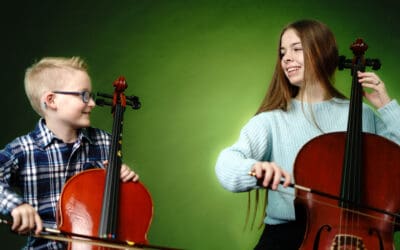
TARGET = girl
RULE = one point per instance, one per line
(300, 104)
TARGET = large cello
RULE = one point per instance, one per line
(96, 203)
(360, 169)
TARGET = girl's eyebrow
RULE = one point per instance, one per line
(297, 43)
(292, 45)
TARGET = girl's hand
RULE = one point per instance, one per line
(270, 174)
(378, 96)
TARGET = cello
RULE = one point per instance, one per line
(96, 203)
(357, 168)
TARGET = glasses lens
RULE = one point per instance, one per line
(86, 95)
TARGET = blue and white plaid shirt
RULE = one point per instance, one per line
(34, 168)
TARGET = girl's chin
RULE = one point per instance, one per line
(294, 80)
(296, 83)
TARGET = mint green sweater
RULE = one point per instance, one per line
(277, 136)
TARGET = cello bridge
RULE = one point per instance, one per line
(347, 241)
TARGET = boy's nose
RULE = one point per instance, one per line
(91, 102)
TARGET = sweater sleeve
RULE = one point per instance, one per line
(234, 163)
(389, 123)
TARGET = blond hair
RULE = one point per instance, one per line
(48, 74)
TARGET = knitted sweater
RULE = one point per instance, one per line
(277, 136)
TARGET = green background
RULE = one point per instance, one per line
(200, 68)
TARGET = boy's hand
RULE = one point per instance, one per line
(26, 219)
(127, 174)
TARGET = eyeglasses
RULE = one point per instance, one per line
(85, 95)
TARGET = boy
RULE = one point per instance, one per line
(61, 145)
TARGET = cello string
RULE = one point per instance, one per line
(109, 215)
(350, 153)
(356, 133)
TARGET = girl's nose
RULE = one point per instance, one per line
(287, 57)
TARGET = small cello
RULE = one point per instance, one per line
(359, 168)
(96, 203)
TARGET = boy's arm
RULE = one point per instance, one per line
(9, 199)
(25, 217)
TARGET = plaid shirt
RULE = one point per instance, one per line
(34, 168)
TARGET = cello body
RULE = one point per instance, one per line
(360, 169)
(96, 203)
(332, 227)
(80, 208)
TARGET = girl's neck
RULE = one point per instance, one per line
(313, 94)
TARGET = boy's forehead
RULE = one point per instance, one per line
(76, 79)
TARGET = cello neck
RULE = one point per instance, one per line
(351, 187)
(351, 177)
(109, 214)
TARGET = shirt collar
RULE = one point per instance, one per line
(44, 136)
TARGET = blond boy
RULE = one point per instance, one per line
(61, 145)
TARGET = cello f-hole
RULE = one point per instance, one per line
(318, 236)
(375, 231)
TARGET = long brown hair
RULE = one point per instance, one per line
(320, 61)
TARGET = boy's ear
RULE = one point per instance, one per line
(48, 100)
